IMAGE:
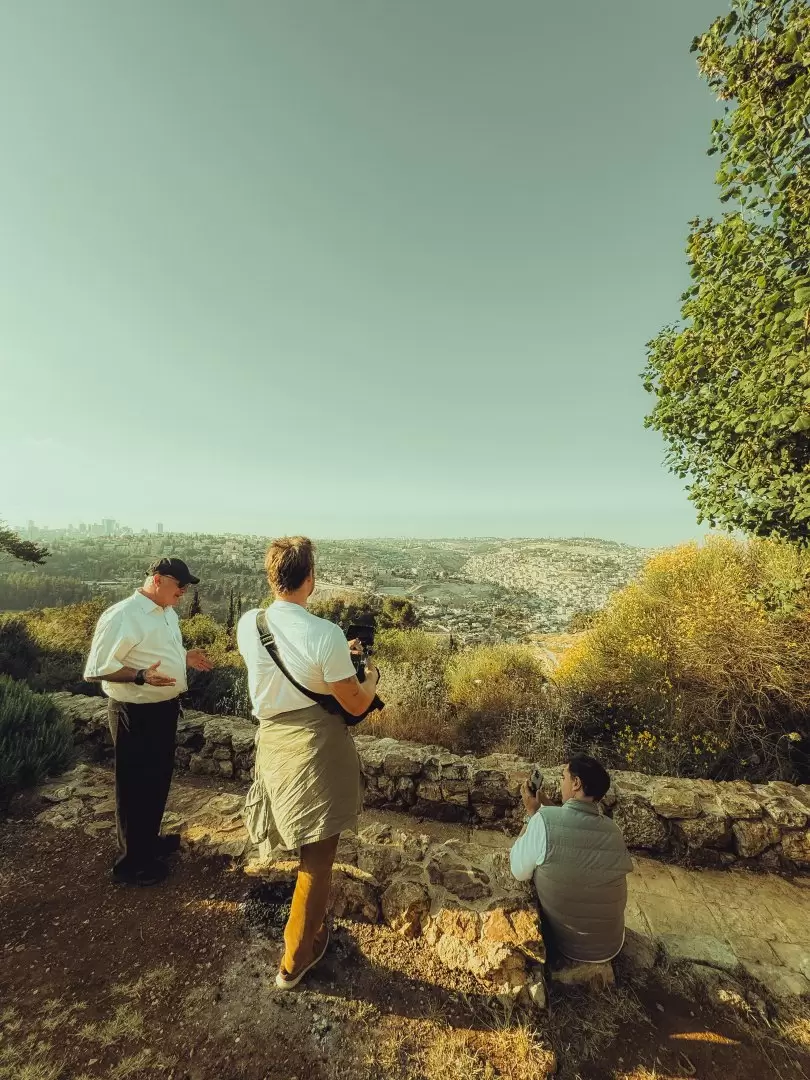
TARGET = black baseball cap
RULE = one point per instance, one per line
(175, 568)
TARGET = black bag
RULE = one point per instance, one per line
(327, 701)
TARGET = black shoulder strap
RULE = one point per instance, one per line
(269, 642)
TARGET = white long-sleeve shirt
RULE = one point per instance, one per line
(529, 850)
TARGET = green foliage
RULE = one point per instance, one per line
(397, 612)
(732, 382)
(202, 631)
(196, 607)
(29, 589)
(63, 636)
(36, 740)
(19, 655)
(21, 549)
(346, 608)
(700, 666)
(385, 612)
(490, 683)
(223, 690)
(581, 620)
(411, 647)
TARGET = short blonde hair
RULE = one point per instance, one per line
(289, 562)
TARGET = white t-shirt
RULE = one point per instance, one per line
(314, 650)
(135, 633)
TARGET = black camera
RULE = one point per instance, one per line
(363, 636)
(535, 781)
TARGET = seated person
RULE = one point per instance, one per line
(579, 863)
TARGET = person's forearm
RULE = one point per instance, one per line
(369, 689)
(124, 674)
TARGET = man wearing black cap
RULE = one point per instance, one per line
(138, 656)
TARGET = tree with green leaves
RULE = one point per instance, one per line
(732, 379)
(231, 622)
(25, 550)
(196, 607)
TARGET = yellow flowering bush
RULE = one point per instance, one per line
(703, 663)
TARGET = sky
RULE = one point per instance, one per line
(356, 268)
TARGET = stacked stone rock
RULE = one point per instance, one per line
(763, 825)
(460, 899)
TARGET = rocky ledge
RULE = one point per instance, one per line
(759, 825)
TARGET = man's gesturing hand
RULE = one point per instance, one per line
(152, 677)
(197, 659)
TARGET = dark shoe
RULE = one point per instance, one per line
(152, 874)
(168, 844)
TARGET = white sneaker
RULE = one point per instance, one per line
(288, 982)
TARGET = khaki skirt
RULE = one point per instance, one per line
(310, 768)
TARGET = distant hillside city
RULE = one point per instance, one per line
(480, 589)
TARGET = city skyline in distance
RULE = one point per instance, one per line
(114, 529)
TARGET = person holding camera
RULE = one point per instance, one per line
(578, 861)
(137, 655)
(304, 688)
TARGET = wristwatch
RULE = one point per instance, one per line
(139, 680)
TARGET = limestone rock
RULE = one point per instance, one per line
(591, 976)
(704, 832)
(467, 883)
(700, 949)
(736, 800)
(405, 905)
(674, 799)
(753, 837)
(788, 812)
(404, 761)
(352, 898)
(640, 825)
(639, 952)
(536, 987)
(379, 860)
(780, 982)
(458, 923)
(796, 846)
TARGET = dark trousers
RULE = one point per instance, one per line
(143, 737)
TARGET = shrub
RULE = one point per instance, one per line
(200, 631)
(19, 655)
(36, 740)
(223, 690)
(63, 636)
(488, 684)
(700, 666)
(412, 668)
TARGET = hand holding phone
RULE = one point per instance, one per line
(535, 781)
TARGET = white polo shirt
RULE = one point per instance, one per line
(135, 633)
(315, 652)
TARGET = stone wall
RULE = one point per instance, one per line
(761, 825)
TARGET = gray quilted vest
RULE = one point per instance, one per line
(582, 885)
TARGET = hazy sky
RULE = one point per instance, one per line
(356, 267)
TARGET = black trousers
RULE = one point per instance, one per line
(143, 737)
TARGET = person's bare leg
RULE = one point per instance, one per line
(309, 903)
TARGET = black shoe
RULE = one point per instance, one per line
(168, 844)
(151, 874)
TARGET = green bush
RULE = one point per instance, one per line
(63, 636)
(19, 655)
(490, 684)
(36, 740)
(700, 666)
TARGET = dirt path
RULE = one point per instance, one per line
(99, 982)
